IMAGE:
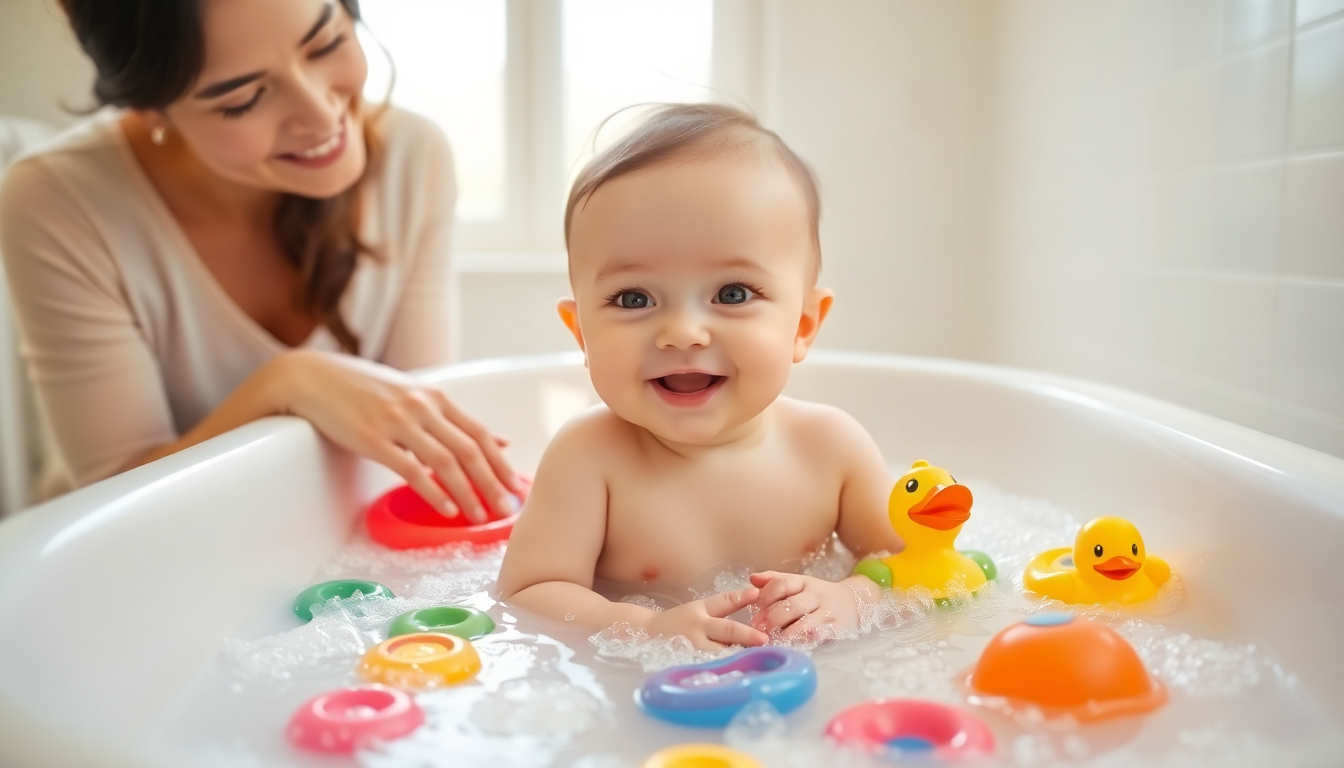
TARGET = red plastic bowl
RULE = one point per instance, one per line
(342, 721)
(401, 519)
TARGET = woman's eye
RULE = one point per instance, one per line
(631, 300)
(328, 48)
(735, 293)
(243, 109)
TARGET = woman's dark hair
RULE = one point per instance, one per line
(147, 54)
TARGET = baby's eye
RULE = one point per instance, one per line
(631, 300)
(734, 293)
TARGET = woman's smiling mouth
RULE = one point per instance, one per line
(323, 154)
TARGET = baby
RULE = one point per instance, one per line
(693, 258)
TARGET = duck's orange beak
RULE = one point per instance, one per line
(1118, 568)
(944, 509)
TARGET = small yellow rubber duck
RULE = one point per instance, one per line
(1107, 564)
(927, 508)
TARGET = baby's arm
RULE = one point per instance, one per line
(863, 526)
(553, 551)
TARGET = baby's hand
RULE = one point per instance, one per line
(800, 605)
(705, 621)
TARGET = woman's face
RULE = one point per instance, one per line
(277, 103)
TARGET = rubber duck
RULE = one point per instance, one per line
(1107, 564)
(927, 508)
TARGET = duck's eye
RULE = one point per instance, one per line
(954, 480)
(1135, 548)
(1097, 550)
(912, 486)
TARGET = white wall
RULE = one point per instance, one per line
(1168, 212)
(41, 70)
(889, 102)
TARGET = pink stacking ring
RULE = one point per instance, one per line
(912, 726)
(401, 519)
(341, 721)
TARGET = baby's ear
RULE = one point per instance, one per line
(815, 308)
(569, 315)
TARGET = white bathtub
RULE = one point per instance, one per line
(1254, 524)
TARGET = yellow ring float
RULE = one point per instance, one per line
(421, 660)
(700, 756)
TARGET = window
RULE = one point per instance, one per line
(449, 57)
(520, 86)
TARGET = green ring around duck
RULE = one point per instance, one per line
(880, 572)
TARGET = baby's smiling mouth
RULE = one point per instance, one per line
(688, 383)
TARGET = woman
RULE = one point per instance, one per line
(244, 237)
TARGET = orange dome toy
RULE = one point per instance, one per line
(1066, 666)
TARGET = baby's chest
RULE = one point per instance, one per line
(692, 520)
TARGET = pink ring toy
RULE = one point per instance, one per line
(912, 725)
(401, 519)
(341, 721)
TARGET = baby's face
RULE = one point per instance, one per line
(694, 293)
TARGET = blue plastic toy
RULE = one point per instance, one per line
(707, 695)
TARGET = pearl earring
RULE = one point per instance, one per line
(158, 134)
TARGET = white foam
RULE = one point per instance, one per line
(1201, 667)
(624, 641)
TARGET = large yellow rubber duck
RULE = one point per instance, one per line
(927, 508)
(1107, 564)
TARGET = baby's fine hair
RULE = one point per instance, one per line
(692, 132)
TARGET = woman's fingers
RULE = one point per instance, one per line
(471, 464)
(729, 632)
(447, 467)
(415, 474)
(491, 445)
(727, 603)
(479, 456)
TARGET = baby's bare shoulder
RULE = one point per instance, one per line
(823, 429)
(595, 431)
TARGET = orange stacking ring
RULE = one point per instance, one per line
(421, 660)
(700, 756)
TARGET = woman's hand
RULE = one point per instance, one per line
(706, 624)
(415, 430)
(798, 606)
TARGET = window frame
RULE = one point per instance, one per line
(530, 232)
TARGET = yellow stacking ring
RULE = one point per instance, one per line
(700, 756)
(421, 660)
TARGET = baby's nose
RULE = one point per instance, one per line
(682, 330)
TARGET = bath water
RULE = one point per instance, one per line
(549, 695)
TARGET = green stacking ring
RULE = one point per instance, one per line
(466, 623)
(343, 588)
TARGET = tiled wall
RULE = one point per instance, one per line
(1168, 211)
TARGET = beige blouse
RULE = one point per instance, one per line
(129, 340)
